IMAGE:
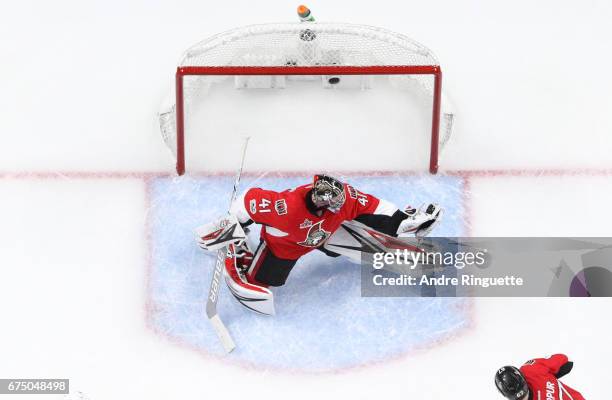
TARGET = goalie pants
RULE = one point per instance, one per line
(268, 270)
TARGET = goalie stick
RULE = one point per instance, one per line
(215, 284)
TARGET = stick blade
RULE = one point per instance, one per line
(222, 333)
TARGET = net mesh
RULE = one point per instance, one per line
(303, 45)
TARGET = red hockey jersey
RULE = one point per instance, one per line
(290, 229)
(541, 378)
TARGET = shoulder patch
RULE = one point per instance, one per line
(253, 206)
(280, 206)
(352, 191)
(530, 362)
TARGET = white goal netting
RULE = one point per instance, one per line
(304, 45)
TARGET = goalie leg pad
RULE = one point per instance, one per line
(254, 297)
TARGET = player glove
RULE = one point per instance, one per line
(421, 221)
(219, 234)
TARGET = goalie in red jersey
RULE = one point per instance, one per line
(295, 222)
(537, 379)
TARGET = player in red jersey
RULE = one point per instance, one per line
(537, 379)
(295, 222)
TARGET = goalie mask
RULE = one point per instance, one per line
(511, 383)
(328, 192)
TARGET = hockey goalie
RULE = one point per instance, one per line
(327, 215)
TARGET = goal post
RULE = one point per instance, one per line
(270, 55)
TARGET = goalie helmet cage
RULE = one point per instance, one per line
(306, 49)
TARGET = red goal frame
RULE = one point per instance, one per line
(434, 70)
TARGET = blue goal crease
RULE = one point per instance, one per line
(322, 322)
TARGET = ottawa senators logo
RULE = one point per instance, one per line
(315, 236)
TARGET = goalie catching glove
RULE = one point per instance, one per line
(421, 221)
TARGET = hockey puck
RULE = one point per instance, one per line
(333, 80)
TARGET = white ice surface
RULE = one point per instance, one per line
(81, 82)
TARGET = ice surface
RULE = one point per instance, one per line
(322, 323)
(81, 83)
